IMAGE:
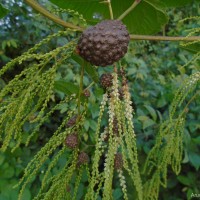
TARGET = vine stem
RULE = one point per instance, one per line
(57, 20)
(110, 9)
(164, 38)
(126, 12)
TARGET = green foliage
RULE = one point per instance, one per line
(168, 146)
(47, 91)
(172, 3)
(3, 11)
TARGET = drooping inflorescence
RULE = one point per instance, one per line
(116, 144)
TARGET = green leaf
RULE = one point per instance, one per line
(3, 11)
(117, 193)
(26, 195)
(152, 112)
(2, 158)
(196, 140)
(93, 124)
(146, 121)
(195, 160)
(77, 59)
(8, 172)
(176, 3)
(186, 158)
(184, 180)
(147, 18)
(66, 87)
(193, 48)
(92, 72)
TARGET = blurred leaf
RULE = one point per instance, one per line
(185, 180)
(152, 112)
(196, 140)
(92, 72)
(194, 159)
(26, 195)
(2, 158)
(176, 3)
(189, 193)
(66, 87)
(149, 13)
(186, 158)
(86, 125)
(193, 48)
(80, 191)
(146, 121)
(77, 59)
(93, 124)
(8, 172)
(117, 193)
(3, 11)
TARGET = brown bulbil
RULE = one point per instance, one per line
(118, 162)
(72, 121)
(72, 141)
(115, 126)
(86, 93)
(106, 80)
(121, 94)
(83, 158)
(104, 43)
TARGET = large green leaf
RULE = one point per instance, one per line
(3, 11)
(176, 3)
(147, 18)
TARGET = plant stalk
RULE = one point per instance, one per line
(164, 38)
(126, 12)
(110, 9)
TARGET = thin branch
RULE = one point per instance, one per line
(110, 9)
(109, 6)
(126, 12)
(36, 6)
(164, 38)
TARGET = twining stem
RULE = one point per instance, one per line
(80, 89)
(49, 15)
(164, 38)
(57, 20)
(110, 9)
(126, 12)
